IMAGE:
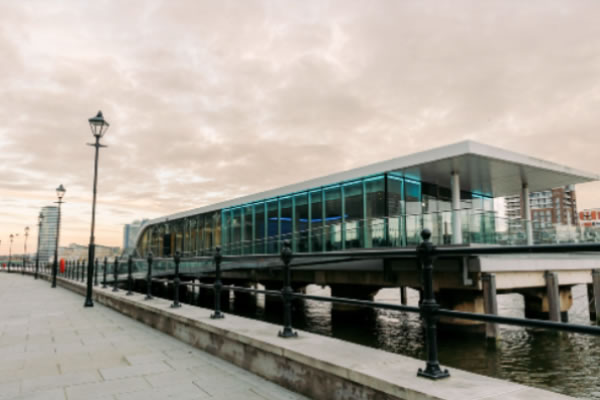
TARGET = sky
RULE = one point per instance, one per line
(212, 100)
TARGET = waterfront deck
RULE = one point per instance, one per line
(56, 347)
(52, 348)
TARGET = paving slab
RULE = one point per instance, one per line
(51, 347)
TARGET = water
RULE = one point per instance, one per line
(561, 362)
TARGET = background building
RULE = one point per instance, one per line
(549, 208)
(76, 251)
(130, 232)
(589, 218)
(48, 233)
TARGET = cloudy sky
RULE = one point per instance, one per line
(210, 100)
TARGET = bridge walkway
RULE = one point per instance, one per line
(52, 348)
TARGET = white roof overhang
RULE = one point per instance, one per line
(482, 169)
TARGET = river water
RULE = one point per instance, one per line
(561, 362)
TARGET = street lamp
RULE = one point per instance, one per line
(99, 127)
(10, 250)
(60, 192)
(37, 257)
(11, 237)
(25, 249)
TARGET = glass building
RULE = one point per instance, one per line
(48, 233)
(449, 190)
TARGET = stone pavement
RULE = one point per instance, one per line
(51, 347)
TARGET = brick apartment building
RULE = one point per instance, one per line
(551, 207)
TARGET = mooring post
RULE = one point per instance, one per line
(96, 273)
(129, 275)
(490, 303)
(115, 275)
(176, 281)
(286, 291)
(149, 278)
(596, 293)
(553, 296)
(428, 308)
(217, 285)
(104, 286)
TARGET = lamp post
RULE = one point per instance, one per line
(60, 192)
(99, 127)
(11, 237)
(25, 249)
(10, 249)
(37, 256)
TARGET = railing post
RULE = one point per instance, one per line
(129, 277)
(149, 278)
(177, 259)
(96, 273)
(286, 291)
(115, 275)
(217, 285)
(83, 264)
(428, 308)
(104, 285)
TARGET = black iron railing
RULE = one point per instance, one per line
(428, 308)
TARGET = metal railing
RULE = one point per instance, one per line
(428, 308)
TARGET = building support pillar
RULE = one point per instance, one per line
(538, 304)
(553, 296)
(490, 303)
(526, 214)
(403, 296)
(594, 296)
(456, 215)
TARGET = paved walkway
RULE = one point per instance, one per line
(53, 348)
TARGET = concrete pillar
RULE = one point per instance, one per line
(461, 300)
(591, 301)
(403, 297)
(553, 296)
(596, 294)
(357, 292)
(537, 303)
(456, 216)
(526, 214)
(490, 303)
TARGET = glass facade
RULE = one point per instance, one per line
(384, 210)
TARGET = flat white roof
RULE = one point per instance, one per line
(482, 169)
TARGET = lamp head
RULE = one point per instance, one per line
(98, 125)
(60, 191)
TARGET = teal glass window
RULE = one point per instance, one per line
(316, 221)
(333, 218)
(236, 231)
(301, 224)
(375, 212)
(354, 214)
(272, 226)
(413, 219)
(247, 231)
(395, 202)
(259, 229)
(285, 220)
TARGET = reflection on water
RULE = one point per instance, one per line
(562, 362)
